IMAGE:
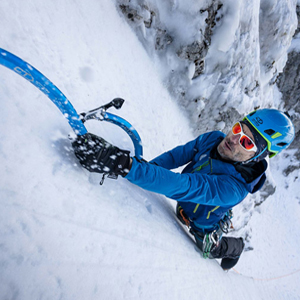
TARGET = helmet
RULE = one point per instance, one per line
(274, 126)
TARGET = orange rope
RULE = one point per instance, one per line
(267, 279)
(187, 222)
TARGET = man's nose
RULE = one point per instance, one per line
(235, 138)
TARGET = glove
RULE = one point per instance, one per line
(97, 155)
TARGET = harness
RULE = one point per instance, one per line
(210, 236)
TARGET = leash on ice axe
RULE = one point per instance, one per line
(101, 114)
(96, 154)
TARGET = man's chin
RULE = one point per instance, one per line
(222, 153)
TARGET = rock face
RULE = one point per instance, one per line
(289, 84)
(221, 58)
(197, 50)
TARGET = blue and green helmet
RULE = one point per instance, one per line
(274, 126)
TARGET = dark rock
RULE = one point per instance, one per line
(197, 51)
(289, 84)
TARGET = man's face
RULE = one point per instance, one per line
(230, 148)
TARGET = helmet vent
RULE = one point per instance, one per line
(281, 144)
(269, 131)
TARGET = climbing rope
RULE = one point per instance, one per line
(267, 279)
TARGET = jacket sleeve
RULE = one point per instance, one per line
(217, 190)
(178, 156)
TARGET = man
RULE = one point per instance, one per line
(220, 171)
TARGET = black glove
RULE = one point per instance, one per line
(97, 155)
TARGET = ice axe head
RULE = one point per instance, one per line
(116, 103)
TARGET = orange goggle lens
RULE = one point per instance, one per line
(237, 128)
(245, 141)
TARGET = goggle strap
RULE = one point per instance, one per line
(256, 156)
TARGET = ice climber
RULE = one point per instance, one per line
(219, 173)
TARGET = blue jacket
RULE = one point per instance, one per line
(206, 189)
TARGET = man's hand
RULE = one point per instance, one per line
(97, 155)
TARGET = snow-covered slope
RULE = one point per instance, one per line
(62, 236)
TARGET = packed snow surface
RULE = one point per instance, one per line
(62, 235)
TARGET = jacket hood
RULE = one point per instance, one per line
(253, 174)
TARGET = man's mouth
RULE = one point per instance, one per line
(227, 146)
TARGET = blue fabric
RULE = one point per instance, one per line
(206, 189)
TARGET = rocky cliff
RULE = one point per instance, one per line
(289, 85)
(220, 59)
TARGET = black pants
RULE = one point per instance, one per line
(229, 248)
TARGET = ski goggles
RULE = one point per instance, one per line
(245, 141)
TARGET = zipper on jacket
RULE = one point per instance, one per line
(208, 215)
(202, 166)
(196, 208)
(198, 169)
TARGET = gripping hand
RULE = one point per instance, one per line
(97, 155)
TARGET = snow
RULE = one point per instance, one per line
(62, 235)
(295, 46)
(225, 35)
